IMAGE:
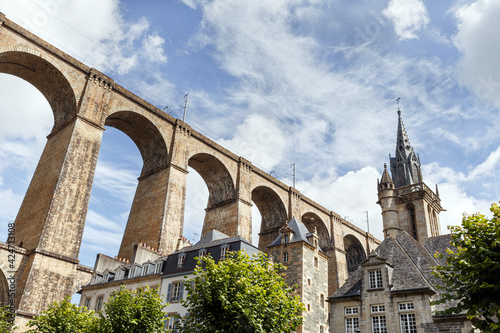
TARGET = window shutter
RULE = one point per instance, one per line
(169, 292)
(181, 290)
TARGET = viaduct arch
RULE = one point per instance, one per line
(49, 225)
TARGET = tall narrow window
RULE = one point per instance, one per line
(223, 251)
(375, 279)
(378, 324)
(285, 256)
(98, 303)
(180, 260)
(352, 325)
(413, 221)
(408, 323)
(287, 238)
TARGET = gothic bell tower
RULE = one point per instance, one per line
(407, 202)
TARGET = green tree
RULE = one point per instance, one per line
(64, 317)
(5, 323)
(471, 274)
(139, 310)
(240, 294)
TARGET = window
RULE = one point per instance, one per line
(352, 325)
(144, 269)
(223, 251)
(105, 277)
(408, 323)
(322, 301)
(287, 239)
(180, 260)
(202, 253)
(308, 282)
(321, 329)
(98, 303)
(351, 311)
(308, 307)
(316, 262)
(170, 321)
(158, 266)
(86, 303)
(411, 212)
(378, 308)
(378, 324)
(375, 279)
(406, 306)
(285, 256)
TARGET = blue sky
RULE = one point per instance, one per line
(310, 82)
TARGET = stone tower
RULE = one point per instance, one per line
(407, 202)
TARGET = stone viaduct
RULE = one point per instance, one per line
(50, 222)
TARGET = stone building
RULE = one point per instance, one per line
(307, 268)
(392, 289)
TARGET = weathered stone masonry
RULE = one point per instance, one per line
(50, 222)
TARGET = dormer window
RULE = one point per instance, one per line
(375, 279)
(180, 260)
(158, 266)
(223, 251)
(286, 239)
(202, 253)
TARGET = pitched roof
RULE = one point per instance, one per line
(412, 266)
(299, 233)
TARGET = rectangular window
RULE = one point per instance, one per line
(375, 279)
(98, 303)
(223, 252)
(170, 320)
(408, 323)
(406, 306)
(176, 291)
(285, 257)
(351, 325)
(378, 324)
(316, 262)
(180, 260)
(321, 329)
(351, 311)
(159, 266)
(378, 308)
(202, 253)
(322, 301)
(86, 303)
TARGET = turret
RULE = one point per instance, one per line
(387, 202)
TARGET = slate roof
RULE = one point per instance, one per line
(299, 234)
(412, 265)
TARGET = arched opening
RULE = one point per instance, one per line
(410, 208)
(221, 206)
(273, 214)
(4, 290)
(215, 174)
(354, 253)
(118, 166)
(196, 202)
(313, 221)
(133, 156)
(25, 120)
(46, 78)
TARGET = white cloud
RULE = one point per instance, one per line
(260, 140)
(478, 41)
(408, 17)
(120, 183)
(153, 48)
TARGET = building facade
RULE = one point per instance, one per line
(392, 290)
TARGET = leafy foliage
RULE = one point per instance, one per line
(127, 311)
(471, 275)
(139, 310)
(5, 324)
(240, 294)
(64, 317)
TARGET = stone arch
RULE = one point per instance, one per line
(146, 136)
(46, 77)
(354, 252)
(216, 176)
(272, 211)
(4, 289)
(311, 221)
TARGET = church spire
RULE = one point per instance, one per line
(405, 166)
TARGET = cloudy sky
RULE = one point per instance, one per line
(310, 82)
